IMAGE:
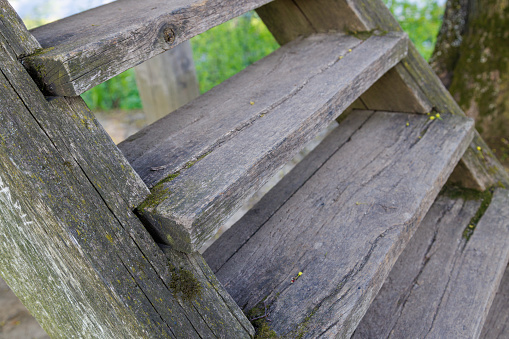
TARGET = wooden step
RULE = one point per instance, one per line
(498, 317)
(442, 286)
(341, 217)
(86, 49)
(214, 152)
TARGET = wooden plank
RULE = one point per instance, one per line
(215, 116)
(14, 32)
(442, 286)
(345, 225)
(167, 82)
(88, 48)
(72, 250)
(498, 317)
(185, 209)
(483, 171)
(288, 19)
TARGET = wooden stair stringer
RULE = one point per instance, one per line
(342, 224)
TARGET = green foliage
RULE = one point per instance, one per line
(119, 92)
(227, 49)
(219, 53)
(420, 20)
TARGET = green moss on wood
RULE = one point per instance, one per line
(158, 194)
(184, 284)
(364, 35)
(257, 316)
(485, 203)
(457, 192)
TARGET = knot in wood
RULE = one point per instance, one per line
(169, 35)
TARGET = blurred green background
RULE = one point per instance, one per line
(226, 49)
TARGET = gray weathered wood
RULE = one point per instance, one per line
(396, 91)
(186, 209)
(442, 286)
(498, 317)
(88, 48)
(167, 82)
(71, 248)
(14, 32)
(287, 19)
(345, 225)
(369, 15)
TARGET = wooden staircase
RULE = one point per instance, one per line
(101, 241)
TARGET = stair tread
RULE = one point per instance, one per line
(498, 317)
(295, 93)
(343, 223)
(442, 286)
(86, 49)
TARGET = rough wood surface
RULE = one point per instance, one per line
(88, 48)
(370, 15)
(167, 82)
(288, 19)
(496, 325)
(345, 225)
(71, 248)
(288, 110)
(442, 286)
(14, 32)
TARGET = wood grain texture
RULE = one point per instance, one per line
(496, 325)
(345, 225)
(71, 248)
(14, 32)
(288, 19)
(88, 48)
(442, 286)
(484, 171)
(167, 82)
(186, 210)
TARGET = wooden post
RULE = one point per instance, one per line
(71, 248)
(167, 82)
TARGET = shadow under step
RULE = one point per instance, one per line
(203, 160)
(88, 48)
(341, 217)
(442, 286)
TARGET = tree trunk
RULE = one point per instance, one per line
(472, 60)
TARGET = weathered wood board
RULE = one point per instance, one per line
(15, 33)
(498, 317)
(86, 49)
(344, 226)
(186, 208)
(396, 91)
(167, 82)
(71, 247)
(287, 19)
(442, 286)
